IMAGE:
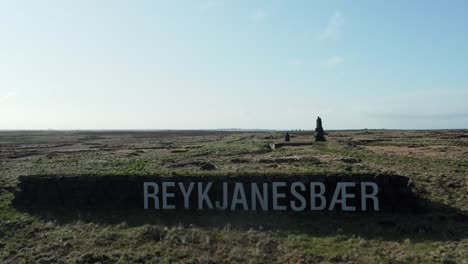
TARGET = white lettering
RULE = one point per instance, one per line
(225, 199)
(147, 194)
(341, 188)
(299, 196)
(277, 195)
(203, 195)
(373, 195)
(314, 195)
(186, 193)
(166, 194)
(263, 198)
(238, 196)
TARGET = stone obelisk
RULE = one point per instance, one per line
(319, 133)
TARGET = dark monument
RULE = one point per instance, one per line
(287, 138)
(319, 133)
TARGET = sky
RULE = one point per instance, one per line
(211, 64)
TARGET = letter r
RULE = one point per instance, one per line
(153, 195)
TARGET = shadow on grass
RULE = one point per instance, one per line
(431, 222)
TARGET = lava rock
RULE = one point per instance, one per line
(208, 167)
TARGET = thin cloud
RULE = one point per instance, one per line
(259, 14)
(418, 116)
(333, 29)
(7, 96)
(208, 5)
(334, 61)
(295, 62)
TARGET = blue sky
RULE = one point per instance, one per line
(233, 64)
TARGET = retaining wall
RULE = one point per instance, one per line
(123, 191)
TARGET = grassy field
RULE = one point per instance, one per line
(436, 162)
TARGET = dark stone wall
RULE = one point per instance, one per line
(122, 191)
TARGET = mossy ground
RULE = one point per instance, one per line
(436, 162)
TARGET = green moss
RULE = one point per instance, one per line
(7, 211)
(123, 236)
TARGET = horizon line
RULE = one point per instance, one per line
(217, 129)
